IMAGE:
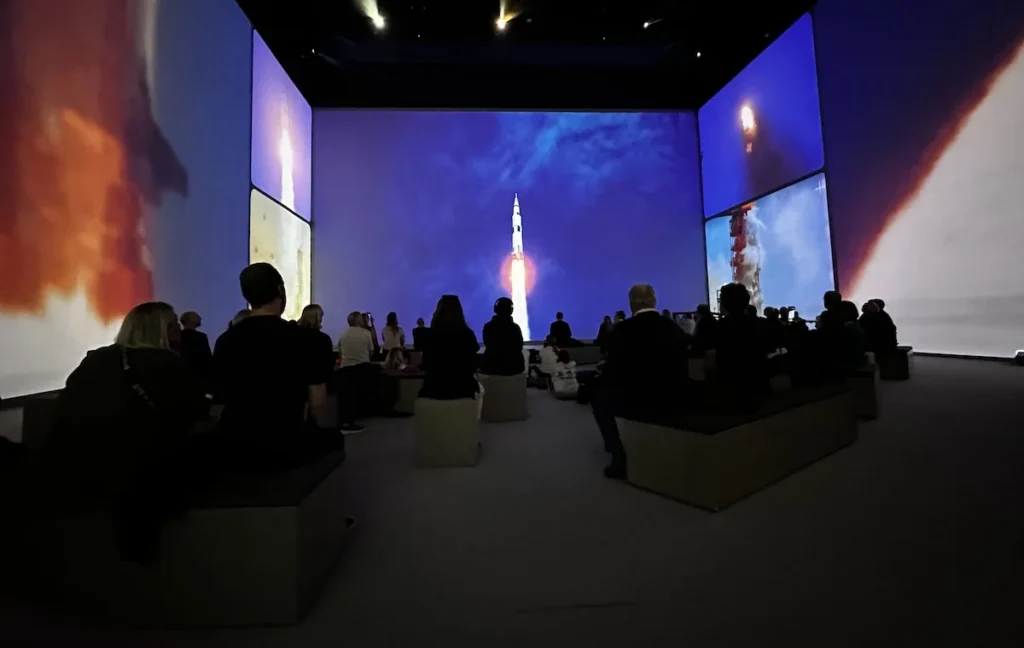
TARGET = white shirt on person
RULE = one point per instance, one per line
(392, 339)
(548, 360)
(355, 346)
(563, 380)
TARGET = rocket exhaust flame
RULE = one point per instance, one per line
(517, 273)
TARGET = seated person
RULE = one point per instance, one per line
(561, 331)
(603, 332)
(321, 348)
(449, 361)
(823, 356)
(563, 380)
(120, 434)
(740, 357)
(644, 375)
(856, 342)
(127, 405)
(879, 328)
(394, 362)
(773, 329)
(419, 335)
(705, 332)
(268, 378)
(548, 357)
(362, 390)
(503, 342)
(195, 346)
(392, 337)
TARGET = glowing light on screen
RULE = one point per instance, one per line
(749, 125)
(372, 11)
(284, 149)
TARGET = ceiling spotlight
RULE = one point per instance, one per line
(698, 54)
(501, 23)
(378, 22)
(647, 24)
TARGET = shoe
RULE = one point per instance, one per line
(350, 428)
(615, 471)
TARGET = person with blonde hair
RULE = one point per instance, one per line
(124, 414)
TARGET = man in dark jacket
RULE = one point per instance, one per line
(645, 375)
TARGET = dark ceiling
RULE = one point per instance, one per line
(553, 54)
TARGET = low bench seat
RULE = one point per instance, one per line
(714, 460)
(251, 550)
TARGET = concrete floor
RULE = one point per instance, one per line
(913, 536)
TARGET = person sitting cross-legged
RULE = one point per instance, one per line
(645, 373)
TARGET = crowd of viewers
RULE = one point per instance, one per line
(133, 425)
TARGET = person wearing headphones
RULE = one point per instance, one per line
(503, 343)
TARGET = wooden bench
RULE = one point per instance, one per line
(252, 550)
(712, 461)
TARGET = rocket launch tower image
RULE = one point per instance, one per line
(517, 273)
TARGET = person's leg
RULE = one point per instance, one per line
(346, 399)
(604, 416)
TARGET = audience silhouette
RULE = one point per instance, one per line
(503, 342)
(449, 360)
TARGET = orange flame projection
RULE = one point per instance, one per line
(507, 269)
(82, 160)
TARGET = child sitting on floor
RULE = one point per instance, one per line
(563, 379)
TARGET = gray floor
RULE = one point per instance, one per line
(912, 536)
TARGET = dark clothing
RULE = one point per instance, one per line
(263, 368)
(602, 336)
(645, 374)
(647, 368)
(561, 331)
(419, 337)
(365, 390)
(879, 331)
(705, 335)
(449, 364)
(741, 359)
(321, 350)
(112, 424)
(503, 347)
(856, 345)
(195, 351)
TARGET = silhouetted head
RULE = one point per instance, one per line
(880, 303)
(666, 313)
(703, 310)
(551, 341)
(503, 306)
(449, 314)
(734, 299)
(191, 320)
(152, 325)
(832, 299)
(419, 321)
(848, 311)
(607, 319)
(392, 320)
(641, 297)
(784, 313)
(869, 307)
(750, 310)
(263, 287)
(559, 316)
(312, 317)
(356, 319)
(563, 356)
(771, 314)
(619, 316)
